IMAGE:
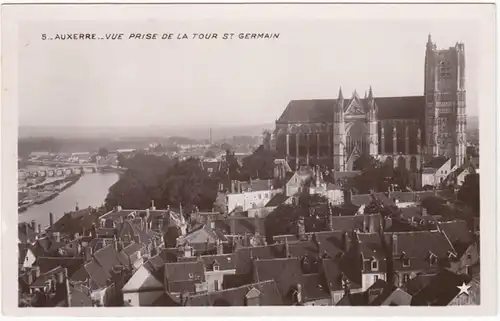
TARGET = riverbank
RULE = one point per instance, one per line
(50, 190)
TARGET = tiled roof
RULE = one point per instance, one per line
(436, 162)
(46, 276)
(269, 295)
(186, 271)
(276, 200)
(457, 231)
(49, 263)
(322, 110)
(132, 248)
(225, 261)
(245, 225)
(353, 222)
(287, 273)
(244, 255)
(314, 287)
(442, 288)
(370, 246)
(201, 235)
(256, 185)
(332, 243)
(300, 249)
(166, 300)
(418, 246)
(108, 257)
(334, 271)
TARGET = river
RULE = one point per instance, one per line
(90, 190)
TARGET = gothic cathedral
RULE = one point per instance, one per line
(400, 131)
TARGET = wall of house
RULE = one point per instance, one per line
(260, 212)
(137, 299)
(335, 196)
(469, 258)
(29, 260)
(216, 276)
(461, 177)
(99, 296)
(428, 179)
(443, 172)
(294, 186)
(248, 200)
(367, 279)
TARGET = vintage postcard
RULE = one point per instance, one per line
(277, 158)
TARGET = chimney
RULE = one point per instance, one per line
(424, 211)
(153, 207)
(88, 253)
(346, 242)
(180, 210)
(56, 236)
(118, 208)
(39, 228)
(36, 272)
(212, 225)
(220, 247)
(372, 227)
(30, 277)
(301, 228)
(299, 293)
(66, 288)
(365, 223)
(330, 216)
(394, 244)
(33, 225)
(51, 219)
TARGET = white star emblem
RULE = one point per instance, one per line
(464, 288)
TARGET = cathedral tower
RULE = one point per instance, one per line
(445, 117)
(339, 134)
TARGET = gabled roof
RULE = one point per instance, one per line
(267, 290)
(276, 200)
(245, 225)
(49, 263)
(287, 273)
(335, 270)
(332, 243)
(441, 290)
(186, 271)
(244, 255)
(108, 257)
(418, 246)
(436, 162)
(202, 235)
(299, 249)
(314, 287)
(459, 234)
(225, 261)
(22, 252)
(46, 276)
(322, 110)
(143, 280)
(132, 248)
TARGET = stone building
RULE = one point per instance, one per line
(402, 131)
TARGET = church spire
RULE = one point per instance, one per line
(430, 45)
(341, 97)
(370, 93)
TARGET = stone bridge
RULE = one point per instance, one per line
(59, 172)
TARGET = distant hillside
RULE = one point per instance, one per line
(218, 132)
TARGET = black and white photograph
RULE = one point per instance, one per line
(249, 156)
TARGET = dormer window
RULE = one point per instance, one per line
(216, 266)
(433, 259)
(374, 265)
(406, 262)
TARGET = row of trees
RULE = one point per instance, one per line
(173, 182)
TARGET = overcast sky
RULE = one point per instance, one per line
(188, 82)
